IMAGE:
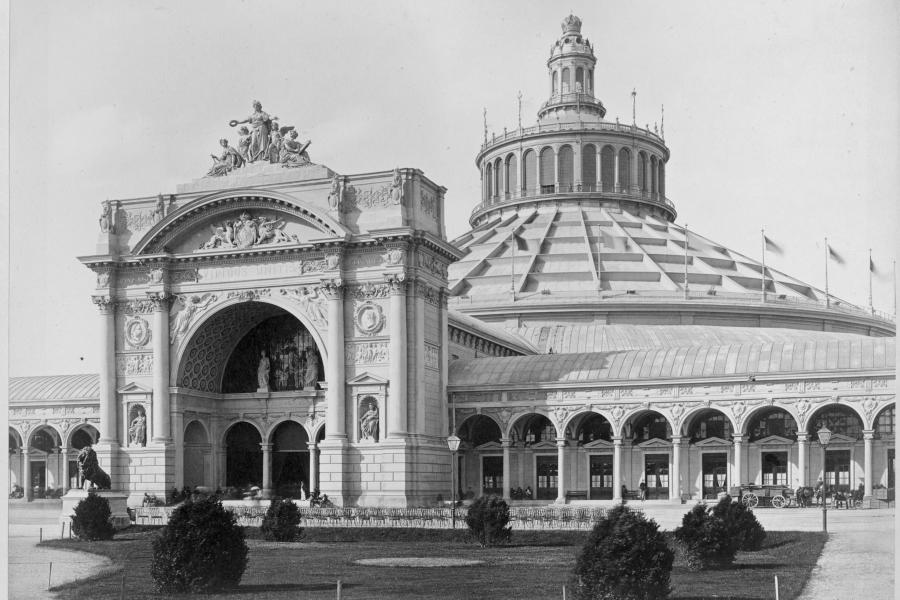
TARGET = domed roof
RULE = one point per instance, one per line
(591, 256)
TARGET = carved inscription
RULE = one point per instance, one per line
(432, 357)
(257, 271)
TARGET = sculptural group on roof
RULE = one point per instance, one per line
(263, 141)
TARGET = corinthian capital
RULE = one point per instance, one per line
(105, 303)
(396, 282)
(332, 288)
(160, 300)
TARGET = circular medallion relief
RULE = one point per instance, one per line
(137, 332)
(369, 318)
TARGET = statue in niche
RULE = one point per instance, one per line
(293, 153)
(261, 123)
(137, 430)
(106, 218)
(397, 187)
(262, 372)
(230, 160)
(287, 366)
(89, 469)
(337, 193)
(311, 375)
(368, 422)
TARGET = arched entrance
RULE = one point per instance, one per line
(43, 460)
(243, 456)
(843, 465)
(650, 435)
(482, 457)
(710, 438)
(537, 436)
(593, 435)
(290, 460)
(15, 459)
(196, 455)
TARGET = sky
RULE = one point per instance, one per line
(779, 115)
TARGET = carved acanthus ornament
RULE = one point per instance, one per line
(105, 304)
(136, 307)
(368, 291)
(160, 300)
(396, 282)
(332, 289)
(249, 295)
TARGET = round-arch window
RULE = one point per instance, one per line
(884, 424)
(838, 419)
(710, 424)
(594, 428)
(772, 422)
(539, 429)
(651, 426)
(81, 438)
(479, 430)
(44, 440)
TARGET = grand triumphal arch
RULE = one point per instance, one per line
(277, 324)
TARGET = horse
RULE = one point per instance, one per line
(90, 470)
(804, 496)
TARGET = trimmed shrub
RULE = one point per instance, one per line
(487, 519)
(706, 540)
(625, 558)
(202, 549)
(741, 523)
(282, 521)
(91, 519)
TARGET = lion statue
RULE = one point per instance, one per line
(89, 469)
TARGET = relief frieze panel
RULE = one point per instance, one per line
(367, 353)
(312, 302)
(134, 364)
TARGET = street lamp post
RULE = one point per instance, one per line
(453, 443)
(824, 438)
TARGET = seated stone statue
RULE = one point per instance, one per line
(90, 471)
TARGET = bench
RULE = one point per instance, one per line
(576, 495)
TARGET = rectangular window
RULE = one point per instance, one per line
(656, 476)
(548, 477)
(601, 469)
(715, 473)
(774, 468)
(837, 469)
(492, 474)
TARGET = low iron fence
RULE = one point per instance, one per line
(436, 518)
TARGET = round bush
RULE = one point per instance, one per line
(706, 540)
(91, 520)
(741, 523)
(487, 519)
(202, 549)
(625, 558)
(282, 521)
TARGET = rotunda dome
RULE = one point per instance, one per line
(574, 225)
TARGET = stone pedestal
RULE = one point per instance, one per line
(117, 506)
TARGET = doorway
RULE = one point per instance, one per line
(774, 468)
(601, 477)
(547, 477)
(656, 476)
(715, 472)
(492, 475)
(837, 469)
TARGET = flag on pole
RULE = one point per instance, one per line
(872, 268)
(835, 256)
(771, 246)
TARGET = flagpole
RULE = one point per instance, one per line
(763, 232)
(871, 306)
(894, 278)
(512, 270)
(685, 261)
(827, 297)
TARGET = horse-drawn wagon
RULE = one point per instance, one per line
(778, 496)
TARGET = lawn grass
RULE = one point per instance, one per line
(535, 565)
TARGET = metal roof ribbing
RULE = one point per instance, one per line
(54, 387)
(713, 361)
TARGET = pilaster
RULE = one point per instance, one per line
(397, 396)
(161, 301)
